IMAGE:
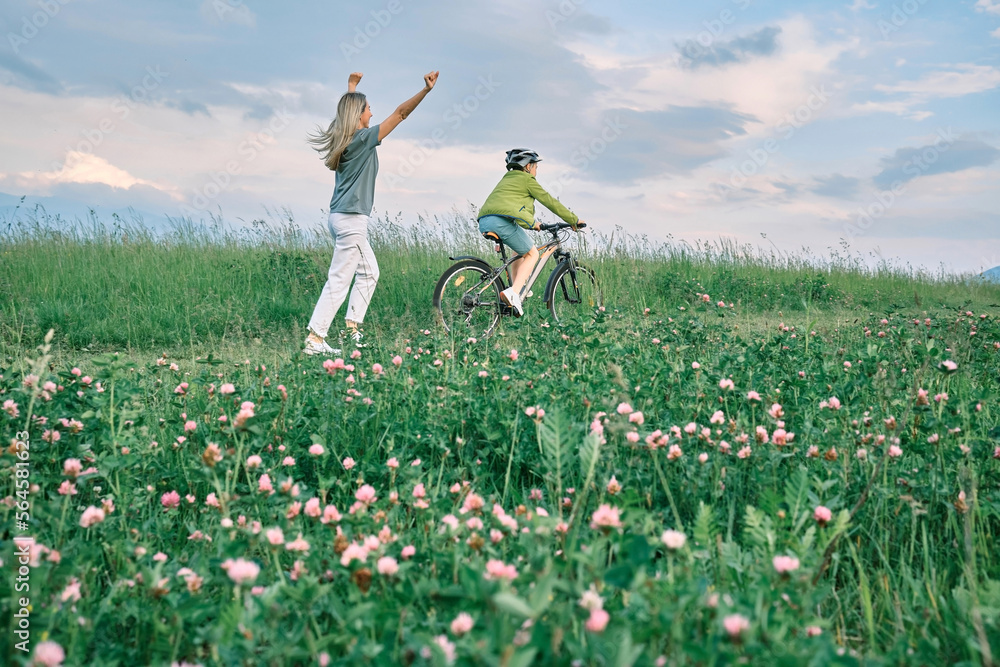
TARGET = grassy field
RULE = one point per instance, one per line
(808, 476)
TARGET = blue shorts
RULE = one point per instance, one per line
(513, 235)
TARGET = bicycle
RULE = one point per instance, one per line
(467, 296)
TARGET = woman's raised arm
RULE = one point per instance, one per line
(407, 107)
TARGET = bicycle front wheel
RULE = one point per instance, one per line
(574, 301)
(466, 302)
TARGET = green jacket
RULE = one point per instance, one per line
(515, 195)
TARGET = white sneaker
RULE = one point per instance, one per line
(512, 299)
(312, 347)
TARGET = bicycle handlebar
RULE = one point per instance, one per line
(556, 226)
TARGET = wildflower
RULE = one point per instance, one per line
(392, 463)
(49, 654)
(761, 436)
(673, 539)
(949, 365)
(922, 397)
(242, 571)
(513, 355)
(170, 500)
(605, 518)
(497, 569)
(613, 486)
(735, 625)
(624, 409)
(330, 514)
(632, 436)
(822, 515)
(785, 564)
(895, 451)
(744, 453)
(813, 631)
(462, 624)
(598, 620)
(348, 463)
(674, 452)
(408, 552)
(753, 396)
(776, 411)
(91, 516)
(298, 544)
(397, 361)
(67, 488)
(719, 417)
(10, 407)
(446, 647)
(695, 365)
(264, 484)
(72, 468)
(703, 458)
(366, 494)
(637, 418)
(590, 600)
(473, 503)
(781, 437)
(726, 384)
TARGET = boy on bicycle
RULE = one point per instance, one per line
(510, 209)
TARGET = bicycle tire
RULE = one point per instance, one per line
(464, 310)
(569, 303)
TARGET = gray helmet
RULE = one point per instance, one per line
(522, 157)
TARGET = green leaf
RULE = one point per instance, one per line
(620, 576)
(523, 658)
(511, 604)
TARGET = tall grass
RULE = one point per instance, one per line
(119, 284)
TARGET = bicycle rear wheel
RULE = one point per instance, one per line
(574, 301)
(465, 302)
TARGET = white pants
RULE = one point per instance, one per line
(352, 258)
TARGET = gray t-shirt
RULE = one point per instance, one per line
(354, 191)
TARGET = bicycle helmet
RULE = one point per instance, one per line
(521, 157)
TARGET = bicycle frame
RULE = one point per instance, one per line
(553, 247)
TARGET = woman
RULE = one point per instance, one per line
(348, 148)
(510, 209)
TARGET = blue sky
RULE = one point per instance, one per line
(809, 122)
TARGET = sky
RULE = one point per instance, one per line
(807, 126)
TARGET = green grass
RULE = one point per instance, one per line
(913, 575)
(122, 287)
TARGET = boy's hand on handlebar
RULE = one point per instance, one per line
(580, 224)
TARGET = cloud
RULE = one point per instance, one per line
(188, 107)
(228, 11)
(28, 75)
(674, 141)
(836, 185)
(762, 42)
(965, 79)
(861, 4)
(988, 6)
(996, 33)
(907, 164)
(81, 168)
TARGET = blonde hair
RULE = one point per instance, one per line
(330, 143)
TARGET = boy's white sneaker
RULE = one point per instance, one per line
(512, 299)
